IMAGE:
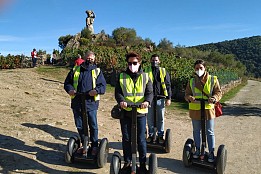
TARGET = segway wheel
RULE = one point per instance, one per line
(168, 141)
(115, 163)
(153, 163)
(221, 159)
(187, 152)
(103, 153)
(72, 145)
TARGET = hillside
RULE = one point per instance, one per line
(246, 50)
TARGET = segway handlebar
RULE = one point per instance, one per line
(80, 93)
(133, 105)
(200, 100)
(159, 96)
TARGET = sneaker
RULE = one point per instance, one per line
(143, 168)
(94, 151)
(196, 154)
(149, 139)
(211, 157)
(126, 168)
(80, 150)
(161, 140)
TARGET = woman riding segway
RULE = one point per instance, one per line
(202, 91)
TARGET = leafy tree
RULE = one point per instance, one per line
(165, 44)
(63, 40)
(124, 36)
(247, 50)
(86, 33)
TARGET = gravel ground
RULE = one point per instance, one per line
(36, 122)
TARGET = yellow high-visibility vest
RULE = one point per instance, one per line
(208, 89)
(134, 93)
(162, 78)
(76, 74)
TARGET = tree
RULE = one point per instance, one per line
(124, 36)
(165, 44)
(86, 33)
(63, 40)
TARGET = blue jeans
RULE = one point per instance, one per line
(93, 126)
(209, 131)
(160, 108)
(126, 138)
(34, 61)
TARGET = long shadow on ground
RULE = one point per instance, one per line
(12, 159)
(55, 156)
(177, 166)
(242, 110)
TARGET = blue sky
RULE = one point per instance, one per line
(28, 24)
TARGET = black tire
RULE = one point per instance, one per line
(153, 163)
(168, 141)
(187, 152)
(72, 145)
(221, 159)
(103, 153)
(115, 163)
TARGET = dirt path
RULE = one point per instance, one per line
(36, 122)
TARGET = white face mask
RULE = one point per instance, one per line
(200, 72)
(134, 68)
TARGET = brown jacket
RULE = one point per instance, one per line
(217, 94)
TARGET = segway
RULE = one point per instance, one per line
(219, 163)
(154, 143)
(74, 143)
(115, 167)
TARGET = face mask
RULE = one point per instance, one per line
(134, 68)
(200, 72)
(155, 64)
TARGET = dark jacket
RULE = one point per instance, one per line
(157, 87)
(85, 85)
(134, 76)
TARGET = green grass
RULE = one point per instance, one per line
(57, 72)
(183, 106)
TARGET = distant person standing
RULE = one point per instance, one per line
(34, 57)
(78, 61)
(52, 60)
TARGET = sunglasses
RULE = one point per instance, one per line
(132, 63)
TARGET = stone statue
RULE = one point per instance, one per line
(90, 20)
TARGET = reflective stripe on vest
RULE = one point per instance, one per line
(208, 89)
(76, 75)
(134, 92)
(162, 78)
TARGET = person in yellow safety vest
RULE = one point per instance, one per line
(203, 81)
(133, 85)
(86, 78)
(161, 86)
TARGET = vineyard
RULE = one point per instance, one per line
(112, 61)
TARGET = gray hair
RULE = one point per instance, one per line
(89, 53)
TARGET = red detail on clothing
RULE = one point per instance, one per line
(34, 54)
(78, 61)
